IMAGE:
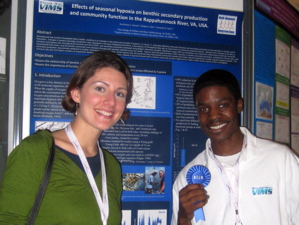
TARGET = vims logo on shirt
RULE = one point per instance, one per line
(50, 7)
(262, 191)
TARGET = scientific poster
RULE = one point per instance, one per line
(167, 46)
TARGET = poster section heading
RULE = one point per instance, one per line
(48, 89)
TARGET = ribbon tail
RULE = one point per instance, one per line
(199, 214)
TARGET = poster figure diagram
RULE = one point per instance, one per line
(144, 93)
(282, 59)
(152, 217)
(226, 25)
(282, 95)
(50, 125)
(264, 130)
(126, 217)
(264, 101)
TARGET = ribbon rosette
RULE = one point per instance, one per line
(199, 175)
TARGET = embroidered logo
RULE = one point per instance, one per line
(262, 191)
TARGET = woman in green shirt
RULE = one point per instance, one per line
(85, 184)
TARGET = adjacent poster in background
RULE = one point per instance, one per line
(295, 118)
(282, 85)
(4, 83)
(275, 9)
(167, 46)
(295, 95)
(264, 62)
(284, 29)
(2, 56)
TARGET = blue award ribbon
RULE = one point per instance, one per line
(198, 175)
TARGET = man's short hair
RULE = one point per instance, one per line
(217, 77)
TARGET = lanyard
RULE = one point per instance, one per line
(233, 192)
(103, 204)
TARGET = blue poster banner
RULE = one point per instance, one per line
(167, 47)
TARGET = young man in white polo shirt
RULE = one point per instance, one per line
(253, 181)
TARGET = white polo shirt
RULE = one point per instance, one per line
(268, 186)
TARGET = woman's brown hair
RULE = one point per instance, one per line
(88, 67)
